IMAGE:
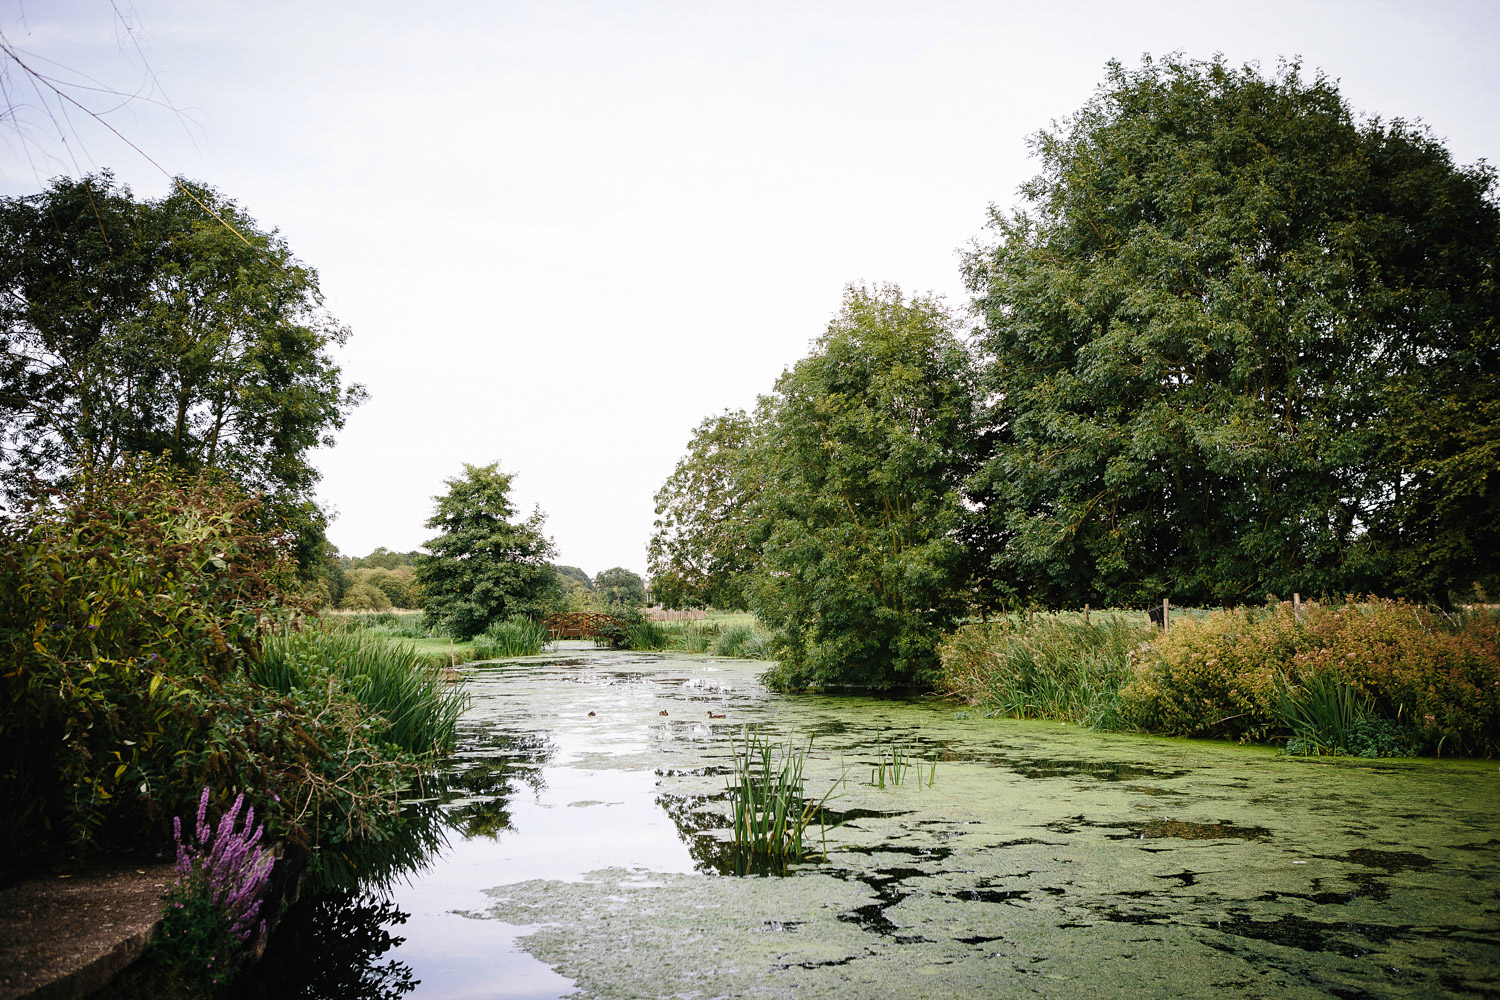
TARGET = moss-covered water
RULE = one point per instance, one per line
(587, 855)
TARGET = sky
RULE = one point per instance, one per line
(564, 233)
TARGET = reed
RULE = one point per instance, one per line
(515, 636)
(388, 678)
(1323, 714)
(770, 814)
(1050, 667)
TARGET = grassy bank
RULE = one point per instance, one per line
(1375, 678)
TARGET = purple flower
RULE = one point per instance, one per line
(227, 863)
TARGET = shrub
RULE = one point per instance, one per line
(365, 596)
(133, 611)
(1438, 674)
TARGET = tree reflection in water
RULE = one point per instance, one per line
(483, 778)
(328, 947)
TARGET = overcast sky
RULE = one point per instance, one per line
(564, 233)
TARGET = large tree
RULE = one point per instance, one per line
(704, 544)
(160, 327)
(1241, 342)
(862, 454)
(620, 586)
(486, 564)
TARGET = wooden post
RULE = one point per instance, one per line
(1165, 606)
(1296, 607)
(1085, 614)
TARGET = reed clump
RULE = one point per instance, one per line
(388, 678)
(769, 813)
(1043, 666)
(515, 636)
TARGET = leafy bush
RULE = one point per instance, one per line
(1043, 667)
(515, 636)
(1438, 674)
(364, 596)
(631, 629)
(132, 611)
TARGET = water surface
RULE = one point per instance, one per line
(586, 855)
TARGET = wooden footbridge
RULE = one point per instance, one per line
(576, 624)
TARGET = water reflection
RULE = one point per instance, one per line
(329, 947)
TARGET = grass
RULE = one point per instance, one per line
(389, 678)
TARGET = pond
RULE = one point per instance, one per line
(585, 857)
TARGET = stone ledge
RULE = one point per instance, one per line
(64, 937)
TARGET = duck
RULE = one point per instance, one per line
(712, 715)
(591, 715)
(662, 712)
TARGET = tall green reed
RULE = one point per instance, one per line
(389, 678)
(515, 636)
(769, 812)
(1044, 667)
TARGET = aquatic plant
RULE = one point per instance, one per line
(769, 814)
(691, 636)
(743, 640)
(1053, 667)
(390, 678)
(1322, 712)
(515, 636)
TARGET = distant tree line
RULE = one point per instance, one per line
(1236, 344)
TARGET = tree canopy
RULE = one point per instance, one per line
(1241, 343)
(485, 565)
(149, 327)
(702, 546)
(620, 586)
(836, 511)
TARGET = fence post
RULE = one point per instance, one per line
(1085, 614)
(1165, 606)
(1296, 606)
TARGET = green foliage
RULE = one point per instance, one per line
(1241, 343)
(364, 596)
(769, 815)
(150, 328)
(384, 558)
(132, 611)
(484, 567)
(743, 641)
(575, 574)
(704, 545)
(620, 586)
(1322, 712)
(516, 636)
(861, 456)
(1046, 666)
(398, 587)
(629, 628)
